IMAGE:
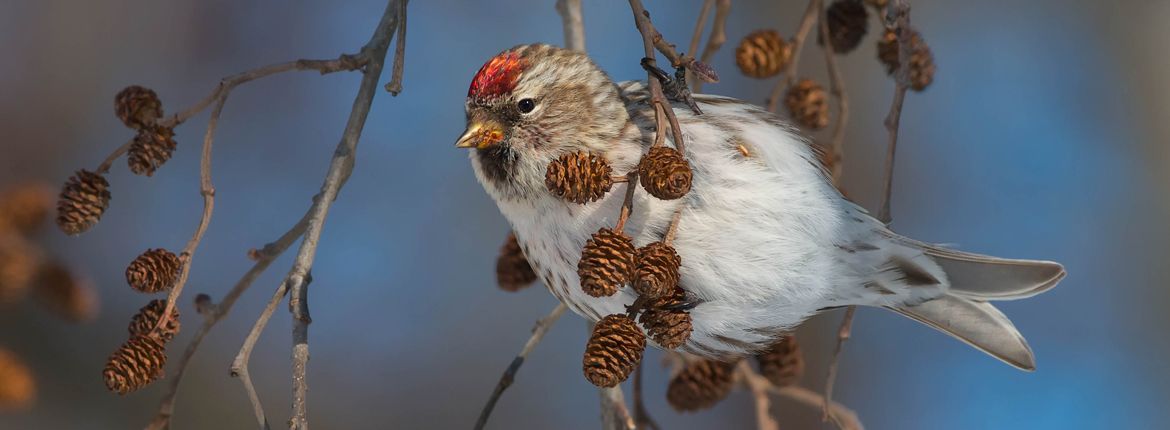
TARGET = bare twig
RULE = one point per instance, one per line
(836, 147)
(538, 331)
(395, 85)
(239, 367)
(843, 417)
(843, 333)
(650, 37)
(789, 75)
(899, 13)
(109, 161)
(717, 38)
(642, 419)
(340, 168)
(700, 23)
(573, 23)
(759, 385)
(614, 414)
(628, 202)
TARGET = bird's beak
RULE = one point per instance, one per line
(480, 135)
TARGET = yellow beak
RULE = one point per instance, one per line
(480, 135)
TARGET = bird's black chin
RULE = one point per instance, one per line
(498, 163)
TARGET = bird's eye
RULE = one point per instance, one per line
(526, 105)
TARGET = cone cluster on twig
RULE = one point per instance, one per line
(808, 104)
(138, 107)
(579, 177)
(607, 263)
(513, 273)
(666, 322)
(135, 364)
(153, 271)
(152, 147)
(921, 59)
(848, 21)
(614, 350)
(82, 201)
(783, 363)
(763, 54)
(18, 387)
(144, 322)
(700, 385)
(665, 173)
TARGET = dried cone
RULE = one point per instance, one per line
(151, 148)
(656, 273)
(18, 388)
(921, 59)
(579, 177)
(24, 209)
(136, 364)
(64, 294)
(607, 263)
(848, 22)
(614, 350)
(19, 260)
(665, 173)
(83, 200)
(513, 273)
(144, 321)
(700, 385)
(153, 271)
(668, 328)
(783, 363)
(762, 54)
(137, 107)
(808, 104)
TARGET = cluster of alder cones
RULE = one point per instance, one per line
(82, 202)
(764, 54)
(26, 268)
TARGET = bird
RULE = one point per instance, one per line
(765, 239)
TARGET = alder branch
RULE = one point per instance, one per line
(340, 168)
(898, 13)
(717, 37)
(642, 419)
(843, 333)
(573, 23)
(614, 414)
(538, 331)
(758, 385)
(836, 149)
(239, 367)
(843, 417)
(789, 75)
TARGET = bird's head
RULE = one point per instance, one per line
(532, 103)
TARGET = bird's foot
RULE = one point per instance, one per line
(675, 89)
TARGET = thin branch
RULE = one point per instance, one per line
(899, 13)
(239, 367)
(789, 75)
(340, 168)
(651, 37)
(538, 331)
(699, 25)
(759, 385)
(843, 333)
(642, 419)
(843, 417)
(109, 161)
(614, 414)
(265, 257)
(836, 149)
(573, 23)
(717, 38)
(395, 85)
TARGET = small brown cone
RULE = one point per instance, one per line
(513, 273)
(665, 173)
(848, 22)
(607, 263)
(152, 147)
(656, 274)
(782, 364)
(579, 177)
(808, 104)
(137, 107)
(137, 363)
(18, 387)
(921, 59)
(144, 321)
(670, 329)
(64, 294)
(615, 348)
(762, 54)
(700, 385)
(82, 201)
(19, 260)
(153, 271)
(24, 209)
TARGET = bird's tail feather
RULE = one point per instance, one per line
(976, 323)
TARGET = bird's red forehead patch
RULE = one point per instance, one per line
(498, 76)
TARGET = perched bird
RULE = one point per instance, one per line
(766, 241)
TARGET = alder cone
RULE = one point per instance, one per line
(808, 104)
(513, 273)
(18, 387)
(607, 263)
(64, 294)
(152, 147)
(782, 364)
(579, 177)
(136, 364)
(700, 385)
(153, 271)
(19, 260)
(82, 201)
(137, 107)
(615, 348)
(848, 22)
(665, 173)
(762, 54)
(669, 328)
(656, 273)
(24, 209)
(921, 59)
(147, 317)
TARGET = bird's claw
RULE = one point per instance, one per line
(675, 89)
(690, 302)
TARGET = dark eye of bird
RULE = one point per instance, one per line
(526, 105)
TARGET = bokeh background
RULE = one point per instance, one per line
(1043, 136)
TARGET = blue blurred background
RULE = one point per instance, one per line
(1043, 136)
